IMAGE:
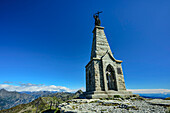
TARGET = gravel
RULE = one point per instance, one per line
(113, 106)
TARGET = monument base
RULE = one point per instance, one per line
(107, 94)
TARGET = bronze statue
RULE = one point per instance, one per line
(96, 17)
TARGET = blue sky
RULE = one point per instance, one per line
(49, 42)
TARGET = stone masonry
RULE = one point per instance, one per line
(104, 75)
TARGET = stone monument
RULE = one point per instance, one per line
(104, 75)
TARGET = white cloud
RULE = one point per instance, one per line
(150, 91)
(29, 84)
(36, 87)
(41, 87)
(7, 82)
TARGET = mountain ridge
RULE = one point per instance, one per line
(10, 99)
(43, 104)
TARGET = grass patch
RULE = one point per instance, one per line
(73, 107)
(104, 110)
(132, 107)
(168, 98)
(94, 101)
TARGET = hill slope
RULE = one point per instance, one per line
(9, 99)
(43, 103)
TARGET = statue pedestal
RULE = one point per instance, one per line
(107, 94)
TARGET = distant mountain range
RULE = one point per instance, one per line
(10, 99)
(37, 94)
(41, 104)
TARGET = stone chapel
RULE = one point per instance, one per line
(104, 75)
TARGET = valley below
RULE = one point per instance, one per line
(52, 102)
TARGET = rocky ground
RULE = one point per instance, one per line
(116, 105)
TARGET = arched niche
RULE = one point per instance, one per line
(111, 78)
